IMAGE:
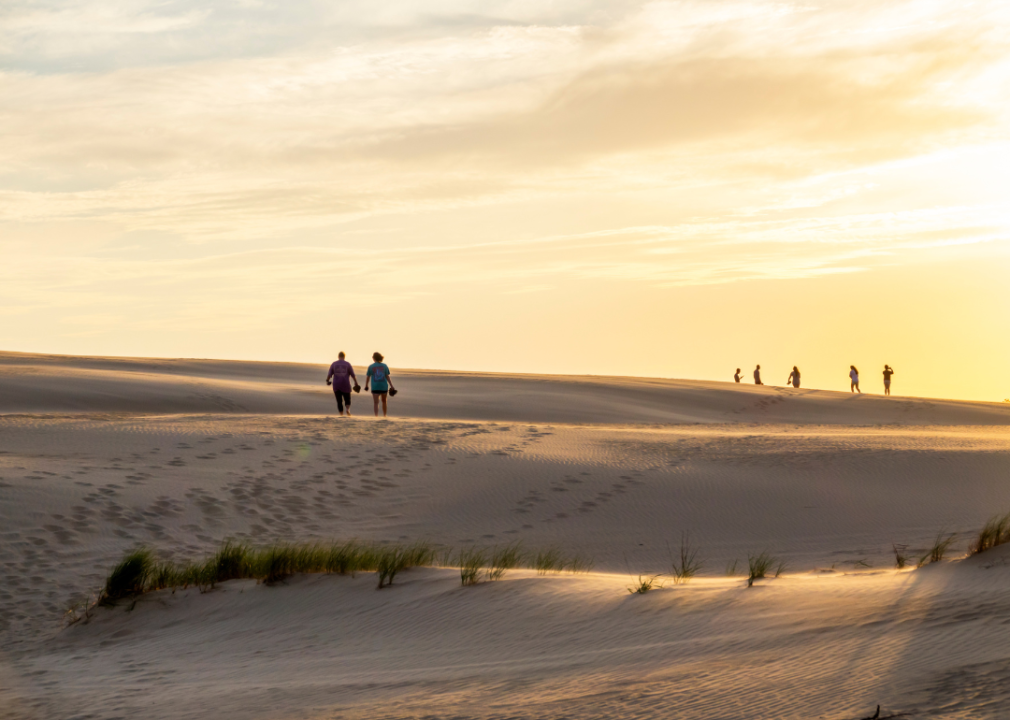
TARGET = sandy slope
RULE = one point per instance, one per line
(44, 384)
(98, 456)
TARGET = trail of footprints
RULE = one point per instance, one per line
(289, 483)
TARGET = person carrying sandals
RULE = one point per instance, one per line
(340, 374)
(378, 376)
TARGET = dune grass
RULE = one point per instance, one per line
(939, 549)
(761, 565)
(900, 555)
(645, 584)
(140, 571)
(502, 559)
(130, 577)
(994, 533)
(471, 564)
(687, 565)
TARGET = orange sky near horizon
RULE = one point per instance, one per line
(669, 189)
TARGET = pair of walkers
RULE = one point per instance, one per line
(340, 376)
(854, 378)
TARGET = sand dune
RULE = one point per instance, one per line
(98, 456)
(57, 384)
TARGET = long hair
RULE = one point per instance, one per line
(854, 368)
(377, 356)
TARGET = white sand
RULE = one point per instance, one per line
(100, 455)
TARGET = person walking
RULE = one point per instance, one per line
(794, 377)
(737, 376)
(382, 385)
(854, 377)
(340, 376)
(888, 372)
(757, 376)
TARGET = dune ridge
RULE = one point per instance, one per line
(55, 384)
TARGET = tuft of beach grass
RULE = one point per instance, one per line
(939, 549)
(128, 578)
(686, 565)
(502, 559)
(645, 584)
(994, 533)
(760, 565)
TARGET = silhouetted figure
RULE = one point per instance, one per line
(378, 375)
(340, 374)
(757, 376)
(794, 377)
(737, 376)
(888, 372)
(854, 377)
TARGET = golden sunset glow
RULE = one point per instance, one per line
(671, 189)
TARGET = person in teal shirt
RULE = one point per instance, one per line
(378, 376)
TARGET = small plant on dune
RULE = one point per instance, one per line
(994, 533)
(82, 608)
(471, 562)
(344, 559)
(273, 565)
(129, 577)
(780, 568)
(228, 563)
(731, 568)
(390, 561)
(645, 584)
(759, 566)
(900, 555)
(940, 546)
(548, 560)
(502, 559)
(687, 565)
(579, 564)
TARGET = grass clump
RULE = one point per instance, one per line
(578, 564)
(994, 533)
(761, 565)
(547, 561)
(645, 584)
(687, 565)
(940, 546)
(471, 563)
(502, 559)
(129, 578)
(900, 555)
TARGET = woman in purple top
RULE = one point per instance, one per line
(340, 374)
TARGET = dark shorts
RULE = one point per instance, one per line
(343, 398)
(379, 392)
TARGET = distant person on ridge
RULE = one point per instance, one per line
(854, 377)
(888, 372)
(794, 377)
(737, 376)
(757, 376)
(340, 374)
(378, 375)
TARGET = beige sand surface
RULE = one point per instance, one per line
(100, 455)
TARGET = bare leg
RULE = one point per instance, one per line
(383, 404)
(375, 401)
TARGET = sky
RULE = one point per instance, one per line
(664, 189)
